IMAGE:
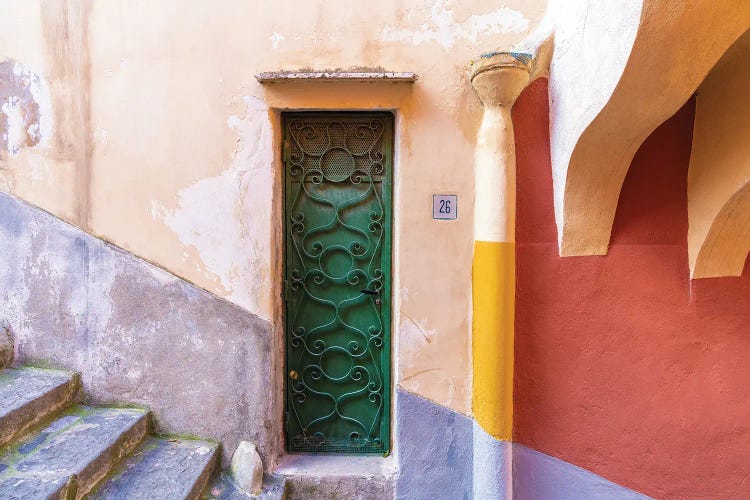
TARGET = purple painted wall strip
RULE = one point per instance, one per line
(537, 476)
(444, 454)
(492, 474)
(434, 449)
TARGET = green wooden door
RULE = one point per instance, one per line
(338, 180)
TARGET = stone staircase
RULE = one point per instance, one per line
(52, 447)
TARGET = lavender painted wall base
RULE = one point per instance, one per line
(434, 450)
(492, 471)
(444, 454)
(537, 476)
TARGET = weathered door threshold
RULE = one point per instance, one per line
(338, 476)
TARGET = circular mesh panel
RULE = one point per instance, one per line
(337, 148)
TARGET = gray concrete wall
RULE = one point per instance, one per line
(137, 334)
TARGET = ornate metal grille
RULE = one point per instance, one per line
(337, 280)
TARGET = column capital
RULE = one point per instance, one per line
(499, 77)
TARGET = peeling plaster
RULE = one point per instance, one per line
(135, 333)
(444, 30)
(276, 39)
(227, 218)
(101, 137)
(100, 152)
(25, 105)
(15, 125)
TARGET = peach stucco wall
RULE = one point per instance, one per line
(160, 139)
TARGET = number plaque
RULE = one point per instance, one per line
(444, 206)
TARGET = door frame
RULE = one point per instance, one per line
(390, 276)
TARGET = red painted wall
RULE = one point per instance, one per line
(623, 365)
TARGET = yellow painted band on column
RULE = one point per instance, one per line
(493, 294)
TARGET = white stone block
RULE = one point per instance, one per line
(247, 468)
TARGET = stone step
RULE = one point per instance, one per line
(163, 469)
(28, 396)
(72, 455)
(225, 488)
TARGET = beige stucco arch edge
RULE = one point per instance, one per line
(725, 247)
(618, 69)
(719, 174)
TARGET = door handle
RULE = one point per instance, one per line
(375, 293)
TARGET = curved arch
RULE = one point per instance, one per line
(725, 248)
(675, 47)
(720, 167)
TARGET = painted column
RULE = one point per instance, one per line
(498, 79)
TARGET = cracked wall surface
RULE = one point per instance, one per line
(136, 333)
(162, 141)
(23, 98)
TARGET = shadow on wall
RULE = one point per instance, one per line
(624, 366)
(137, 334)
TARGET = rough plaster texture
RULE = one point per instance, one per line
(592, 43)
(619, 358)
(6, 348)
(161, 131)
(607, 56)
(23, 99)
(443, 454)
(492, 471)
(719, 174)
(435, 450)
(136, 333)
(539, 476)
(238, 253)
(45, 42)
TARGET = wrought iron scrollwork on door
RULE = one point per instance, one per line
(337, 263)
